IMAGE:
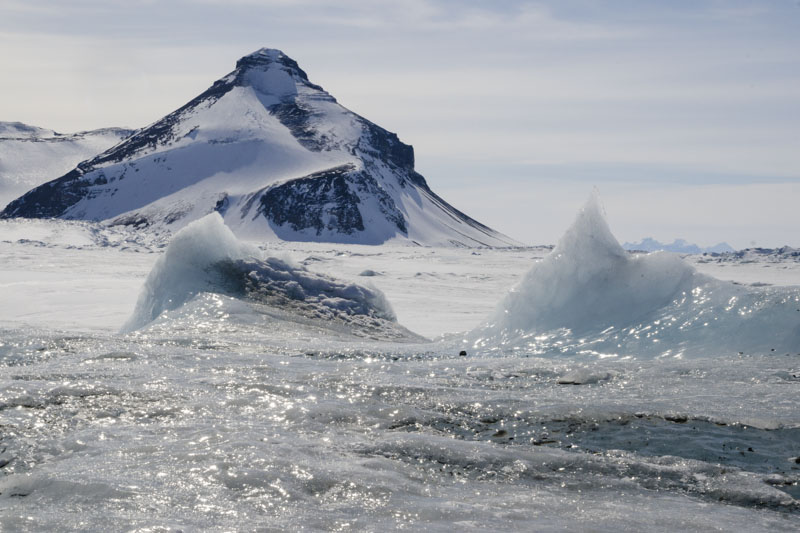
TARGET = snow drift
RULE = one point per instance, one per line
(589, 295)
(205, 257)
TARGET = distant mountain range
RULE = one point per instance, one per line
(30, 156)
(276, 156)
(679, 245)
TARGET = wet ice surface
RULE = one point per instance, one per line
(225, 415)
(191, 428)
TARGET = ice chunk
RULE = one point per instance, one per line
(590, 296)
(206, 257)
(590, 281)
(184, 269)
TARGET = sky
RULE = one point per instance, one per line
(684, 114)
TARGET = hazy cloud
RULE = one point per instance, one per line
(660, 92)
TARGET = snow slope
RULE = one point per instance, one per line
(31, 156)
(273, 153)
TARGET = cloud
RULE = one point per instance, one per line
(671, 92)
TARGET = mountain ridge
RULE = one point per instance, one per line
(32, 155)
(276, 155)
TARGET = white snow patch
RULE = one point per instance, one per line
(273, 81)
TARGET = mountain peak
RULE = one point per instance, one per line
(266, 52)
(276, 156)
(270, 71)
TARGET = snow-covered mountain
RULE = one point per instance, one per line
(276, 156)
(30, 156)
(648, 244)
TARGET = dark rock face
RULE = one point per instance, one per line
(327, 200)
(302, 203)
(297, 118)
(49, 200)
(386, 145)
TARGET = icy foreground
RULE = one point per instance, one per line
(276, 155)
(230, 413)
(591, 296)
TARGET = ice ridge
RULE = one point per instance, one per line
(590, 296)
